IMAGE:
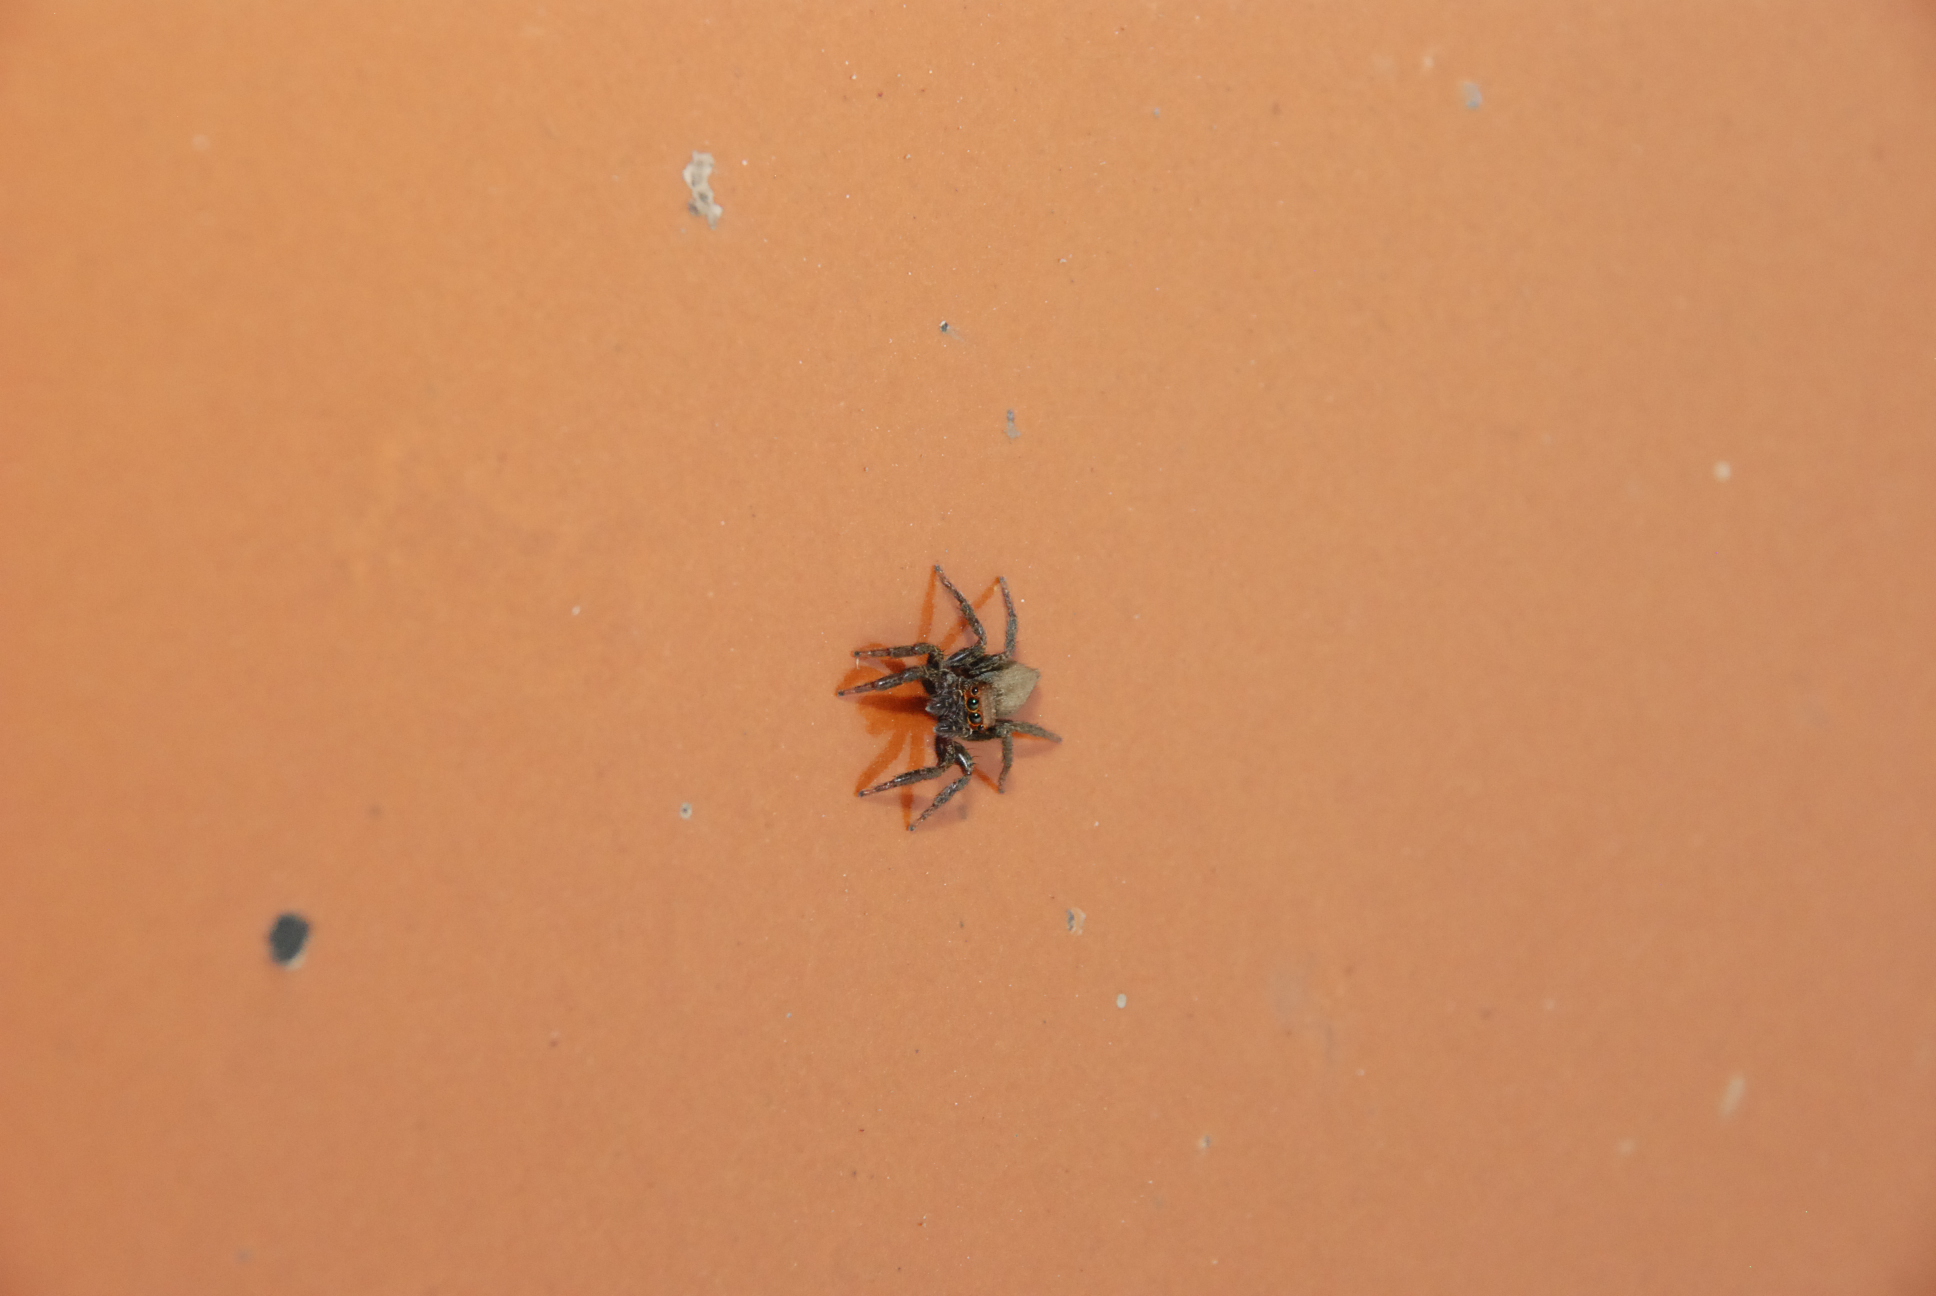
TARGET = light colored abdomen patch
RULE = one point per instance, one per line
(1013, 686)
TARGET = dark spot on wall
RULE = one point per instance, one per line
(288, 939)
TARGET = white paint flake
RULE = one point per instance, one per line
(699, 179)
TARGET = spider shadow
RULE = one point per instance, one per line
(901, 716)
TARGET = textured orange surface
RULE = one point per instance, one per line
(1472, 507)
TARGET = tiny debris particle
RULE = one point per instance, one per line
(1723, 470)
(288, 939)
(1122, 1001)
(1076, 919)
(685, 809)
(1732, 1095)
(699, 179)
(1473, 97)
(1014, 433)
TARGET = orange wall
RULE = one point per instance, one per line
(1471, 506)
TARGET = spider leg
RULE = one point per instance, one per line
(904, 652)
(1006, 731)
(967, 609)
(967, 764)
(898, 678)
(948, 760)
(1009, 603)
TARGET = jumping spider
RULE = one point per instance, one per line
(971, 695)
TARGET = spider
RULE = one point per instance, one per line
(971, 695)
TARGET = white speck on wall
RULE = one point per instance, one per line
(574, 611)
(1076, 919)
(1203, 1144)
(699, 179)
(1014, 433)
(685, 809)
(1625, 1147)
(1122, 1001)
(1731, 1096)
(1472, 95)
(1723, 470)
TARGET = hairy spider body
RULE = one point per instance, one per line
(971, 695)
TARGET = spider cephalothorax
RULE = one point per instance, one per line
(971, 695)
